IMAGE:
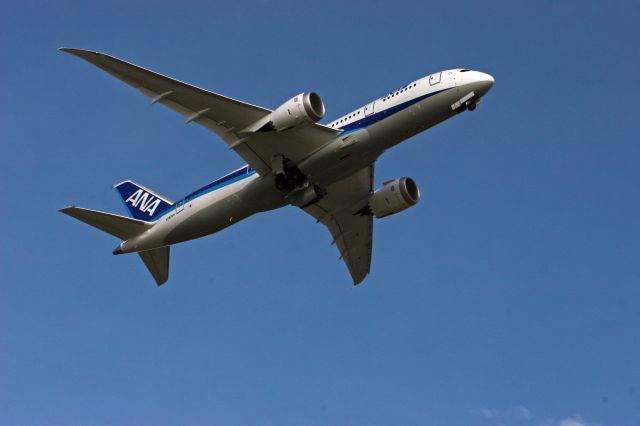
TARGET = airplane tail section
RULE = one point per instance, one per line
(142, 203)
(156, 260)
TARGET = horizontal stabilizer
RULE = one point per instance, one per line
(118, 226)
(157, 262)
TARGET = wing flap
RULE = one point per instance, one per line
(351, 231)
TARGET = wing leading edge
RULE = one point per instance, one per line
(222, 115)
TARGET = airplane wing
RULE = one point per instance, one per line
(352, 232)
(224, 116)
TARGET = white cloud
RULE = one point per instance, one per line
(516, 416)
(522, 413)
(572, 421)
(489, 414)
(522, 416)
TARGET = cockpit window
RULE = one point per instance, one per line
(464, 70)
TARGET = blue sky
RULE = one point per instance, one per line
(508, 296)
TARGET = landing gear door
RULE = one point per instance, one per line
(368, 109)
(434, 78)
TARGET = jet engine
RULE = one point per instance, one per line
(394, 196)
(307, 107)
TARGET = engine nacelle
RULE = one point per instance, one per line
(394, 196)
(307, 107)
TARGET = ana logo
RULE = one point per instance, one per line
(144, 201)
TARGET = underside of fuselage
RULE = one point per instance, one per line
(357, 148)
(242, 193)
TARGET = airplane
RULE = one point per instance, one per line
(327, 170)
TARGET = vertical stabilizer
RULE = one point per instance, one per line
(142, 203)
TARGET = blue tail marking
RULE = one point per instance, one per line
(142, 203)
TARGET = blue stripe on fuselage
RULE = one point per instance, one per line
(247, 171)
(226, 180)
(381, 115)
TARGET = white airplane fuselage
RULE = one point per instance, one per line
(367, 132)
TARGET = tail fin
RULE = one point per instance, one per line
(142, 203)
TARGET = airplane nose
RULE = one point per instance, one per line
(484, 82)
